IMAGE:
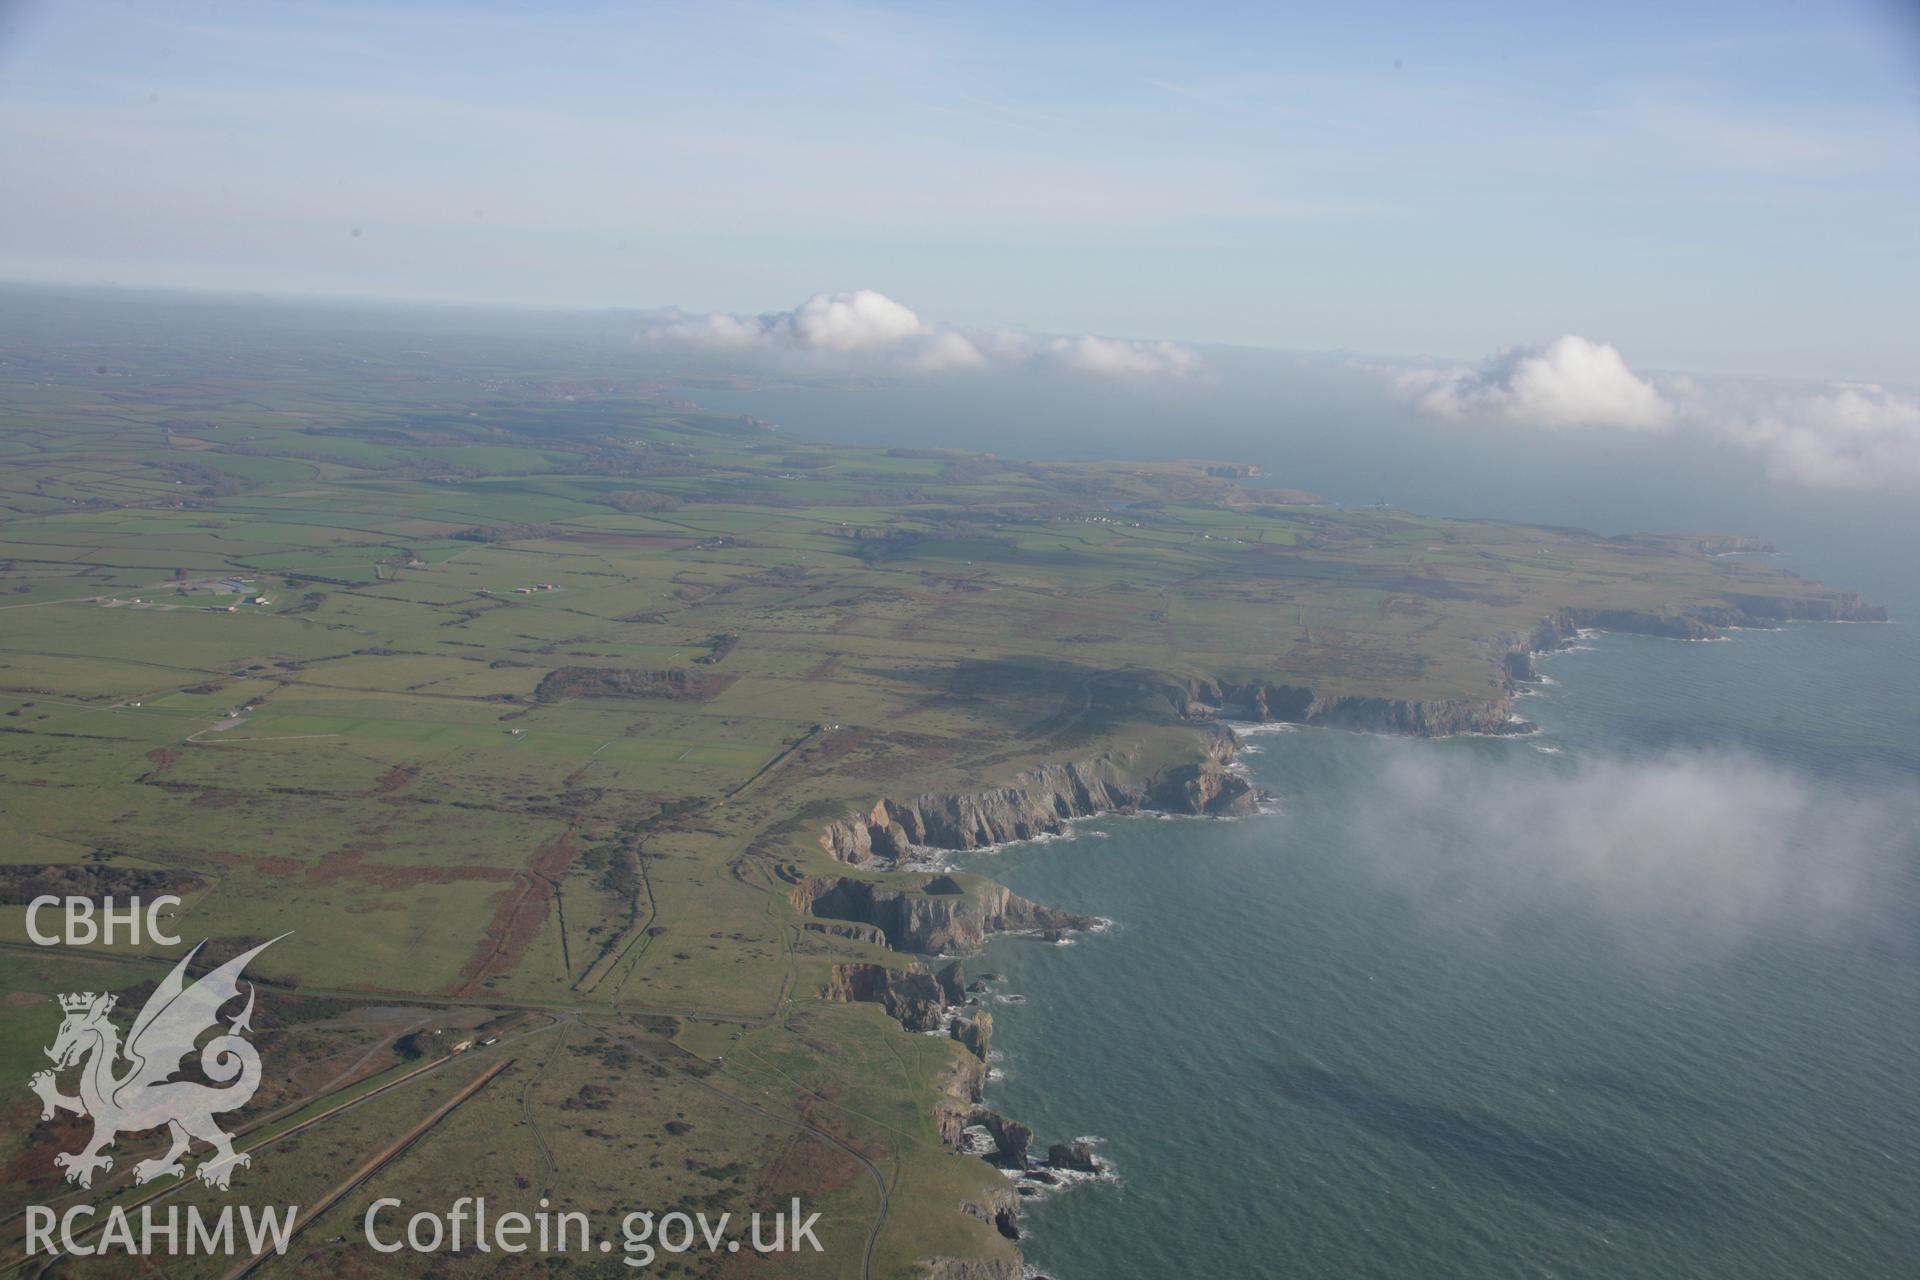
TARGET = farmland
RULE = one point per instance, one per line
(516, 691)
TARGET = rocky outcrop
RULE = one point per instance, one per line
(1700, 622)
(1828, 606)
(1268, 701)
(1040, 802)
(1733, 544)
(1204, 788)
(911, 995)
(930, 923)
(972, 1268)
(952, 978)
(850, 840)
(1696, 624)
(961, 1091)
(1265, 701)
(1077, 1156)
(1011, 1139)
(1257, 700)
(975, 1034)
(1436, 718)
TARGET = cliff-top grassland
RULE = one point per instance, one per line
(555, 716)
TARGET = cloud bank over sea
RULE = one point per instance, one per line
(1839, 435)
(1847, 436)
(1719, 842)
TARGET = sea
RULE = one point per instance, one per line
(1636, 995)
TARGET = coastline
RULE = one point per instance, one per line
(1044, 803)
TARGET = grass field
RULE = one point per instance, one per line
(556, 682)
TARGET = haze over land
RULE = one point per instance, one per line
(1087, 641)
(1562, 220)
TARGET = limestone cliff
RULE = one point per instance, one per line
(1701, 622)
(1432, 718)
(1012, 1140)
(974, 1034)
(1720, 544)
(1040, 802)
(1510, 654)
(961, 1091)
(925, 919)
(911, 995)
(1263, 701)
(1828, 606)
(972, 1268)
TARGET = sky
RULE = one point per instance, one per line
(1705, 186)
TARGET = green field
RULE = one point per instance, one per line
(558, 682)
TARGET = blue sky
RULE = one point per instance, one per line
(1707, 186)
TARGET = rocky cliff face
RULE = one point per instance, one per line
(915, 998)
(1436, 718)
(915, 920)
(1077, 1156)
(1040, 802)
(1829, 606)
(975, 1034)
(1264, 701)
(1000, 1208)
(1702, 622)
(1730, 544)
(920, 999)
(1269, 701)
(961, 1091)
(972, 1268)
(1012, 1140)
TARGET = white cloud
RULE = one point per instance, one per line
(1839, 436)
(1704, 843)
(1831, 436)
(1113, 356)
(718, 331)
(947, 351)
(869, 324)
(857, 321)
(862, 320)
(1570, 382)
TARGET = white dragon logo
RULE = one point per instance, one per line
(145, 1096)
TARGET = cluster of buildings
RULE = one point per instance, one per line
(242, 587)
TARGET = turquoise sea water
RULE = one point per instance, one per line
(1636, 997)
